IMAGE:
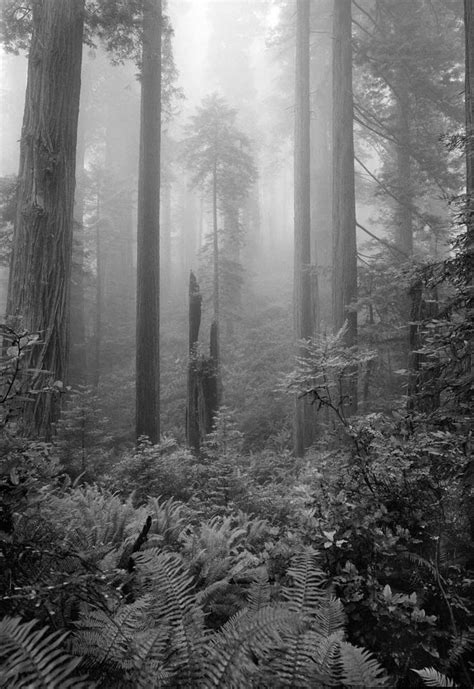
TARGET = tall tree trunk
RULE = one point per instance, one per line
(303, 310)
(100, 227)
(215, 338)
(40, 274)
(469, 29)
(166, 241)
(469, 104)
(344, 290)
(194, 369)
(148, 231)
(321, 159)
(78, 359)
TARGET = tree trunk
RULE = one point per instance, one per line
(166, 241)
(40, 274)
(148, 231)
(78, 359)
(321, 160)
(469, 104)
(215, 339)
(100, 227)
(469, 29)
(193, 434)
(212, 393)
(344, 290)
(303, 309)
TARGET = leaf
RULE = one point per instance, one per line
(34, 658)
(433, 678)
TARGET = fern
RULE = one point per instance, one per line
(109, 637)
(433, 678)
(308, 590)
(329, 617)
(125, 644)
(234, 650)
(259, 592)
(360, 668)
(174, 605)
(34, 658)
(170, 518)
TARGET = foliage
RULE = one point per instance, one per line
(35, 658)
(8, 186)
(80, 436)
(325, 369)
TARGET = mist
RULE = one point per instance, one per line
(235, 268)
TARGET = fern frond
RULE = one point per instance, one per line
(433, 678)
(328, 658)
(330, 617)
(170, 518)
(104, 637)
(460, 645)
(259, 593)
(307, 592)
(148, 671)
(34, 658)
(295, 662)
(174, 605)
(360, 668)
(234, 650)
(211, 591)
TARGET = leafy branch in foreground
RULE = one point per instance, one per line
(325, 368)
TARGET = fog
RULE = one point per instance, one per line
(243, 51)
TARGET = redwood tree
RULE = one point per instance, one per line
(469, 29)
(38, 291)
(303, 311)
(344, 288)
(148, 231)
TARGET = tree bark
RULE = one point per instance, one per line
(40, 274)
(148, 231)
(344, 290)
(193, 432)
(212, 394)
(215, 328)
(321, 159)
(469, 32)
(303, 309)
(166, 240)
(78, 358)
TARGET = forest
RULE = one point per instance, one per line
(236, 295)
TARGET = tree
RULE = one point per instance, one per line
(202, 392)
(38, 291)
(303, 307)
(148, 232)
(216, 152)
(344, 290)
(469, 30)
(408, 87)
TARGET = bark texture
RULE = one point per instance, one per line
(344, 289)
(148, 231)
(303, 310)
(469, 29)
(193, 431)
(202, 393)
(39, 284)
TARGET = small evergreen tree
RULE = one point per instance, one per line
(217, 155)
